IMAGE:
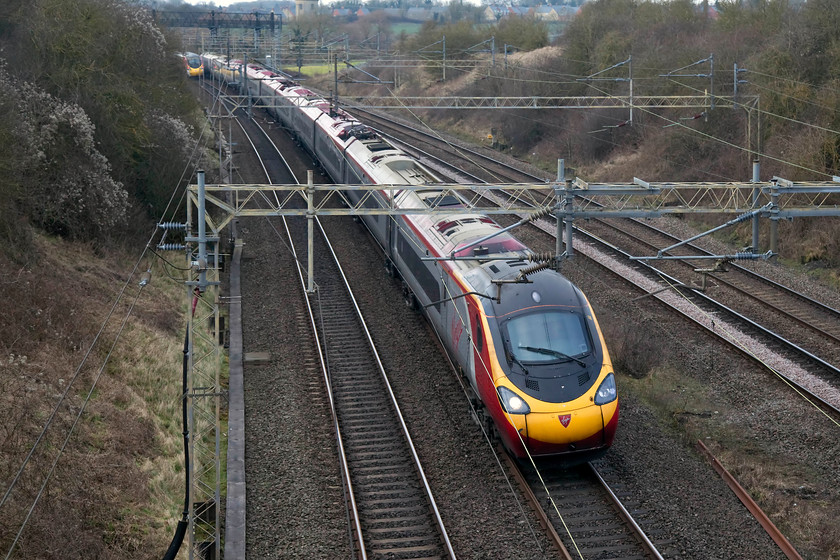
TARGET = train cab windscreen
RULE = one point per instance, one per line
(547, 337)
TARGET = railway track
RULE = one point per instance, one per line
(810, 324)
(583, 517)
(394, 511)
(391, 509)
(587, 518)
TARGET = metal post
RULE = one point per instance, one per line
(250, 103)
(712, 78)
(570, 199)
(190, 466)
(202, 234)
(755, 192)
(774, 217)
(561, 179)
(310, 230)
(335, 79)
(630, 76)
(493, 49)
(444, 58)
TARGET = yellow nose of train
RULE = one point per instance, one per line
(579, 427)
(567, 429)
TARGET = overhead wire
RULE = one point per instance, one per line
(730, 336)
(682, 125)
(782, 117)
(722, 141)
(544, 123)
(795, 98)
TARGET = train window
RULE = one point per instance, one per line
(445, 200)
(547, 337)
(445, 226)
(479, 334)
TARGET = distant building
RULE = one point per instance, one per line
(556, 13)
(288, 13)
(495, 12)
(546, 13)
(435, 13)
(520, 11)
(306, 8)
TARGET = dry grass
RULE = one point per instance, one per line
(801, 509)
(115, 491)
(633, 351)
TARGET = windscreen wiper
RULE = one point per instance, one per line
(555, 353)
(513, 359)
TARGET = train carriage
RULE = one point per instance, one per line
(525, 337)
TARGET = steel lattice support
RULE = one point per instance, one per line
(640, 199)
(204, 387)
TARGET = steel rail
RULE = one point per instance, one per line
(648, 546)
(733, 284)
(674, 282)
(343, 465)
(646, 543)
(750, 504)
(417, 463)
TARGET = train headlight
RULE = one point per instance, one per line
(606, 392)
(511, 402)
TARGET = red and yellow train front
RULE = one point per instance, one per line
(545, 376)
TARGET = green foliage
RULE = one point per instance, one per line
(462, 11)
(526, 33)
(12, 154)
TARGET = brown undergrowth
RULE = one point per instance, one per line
(106, 476)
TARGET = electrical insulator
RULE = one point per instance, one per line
(531, 270)
(172, 247)
(539, 214)
(541, 257)
(172, 226)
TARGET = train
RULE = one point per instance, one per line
(193, 64)
(523, 335)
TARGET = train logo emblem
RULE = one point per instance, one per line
(565, 419)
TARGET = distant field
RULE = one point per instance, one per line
(310, 70)
(315, 69)
(409, 28)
